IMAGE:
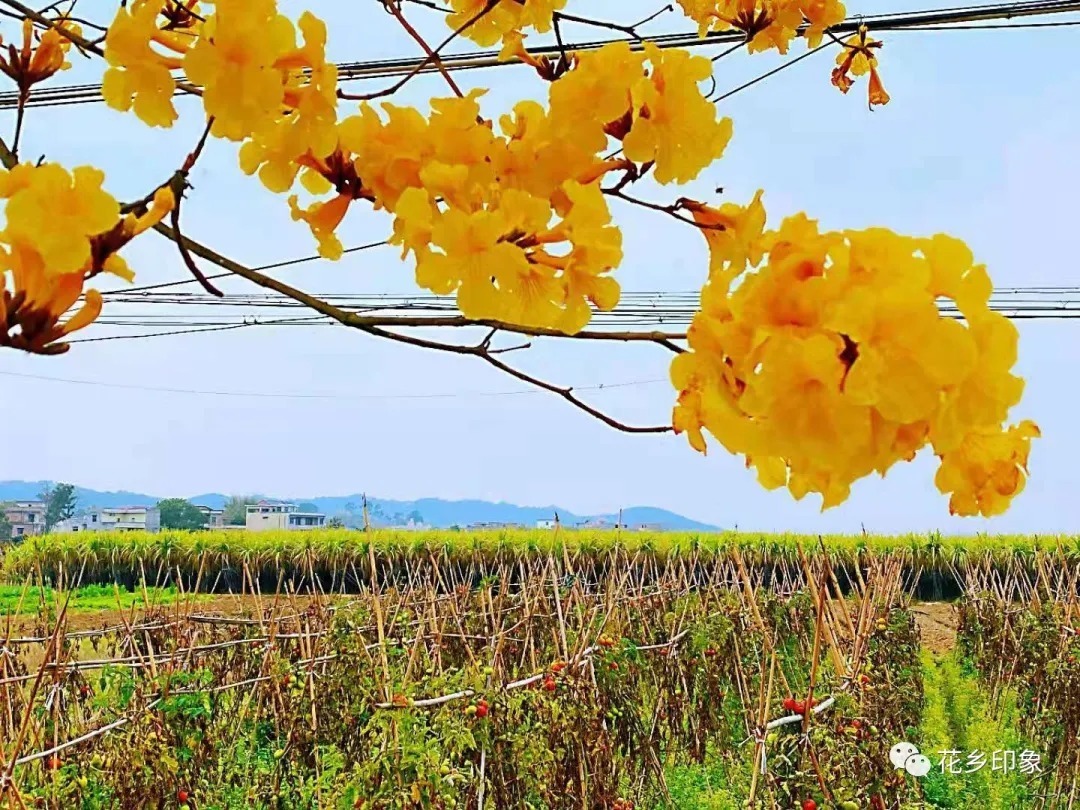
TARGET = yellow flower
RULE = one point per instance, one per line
(766, 23)
(857, 58)
(414, 218)
(536, 156)
(675, 125)
(594, 99)
(104, 246)
(821, 14)
(984, 397)
(987, 470)
(30, 314)
(323, 218)
(61, 228)
(830, 360)
(733, 232)
(506, 17)
(29, 65)
(389, 154)
(477, 260)
(336, 172)
(955, 275)
(596, 249)
(310, 124)
(138, 76)
(905, 353)
(236, 62)
(73, 205)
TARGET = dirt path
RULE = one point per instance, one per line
(937, 624)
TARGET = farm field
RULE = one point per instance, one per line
(537, 670)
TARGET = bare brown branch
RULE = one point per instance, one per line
(382, 327)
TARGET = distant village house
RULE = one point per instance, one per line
(26, 518)
(215, 518)
(113, 519)
(267, 514)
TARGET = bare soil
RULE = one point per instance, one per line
(937, 625)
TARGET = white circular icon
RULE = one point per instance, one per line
(900, 752)
(917, 765)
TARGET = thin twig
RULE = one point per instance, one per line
(427, 60)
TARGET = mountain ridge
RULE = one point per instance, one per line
(435, 512)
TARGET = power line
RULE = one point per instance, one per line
(320, 396)
(673, 319)
(274, 266)
(932, 19)
(197, 330)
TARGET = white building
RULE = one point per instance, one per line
(113, 519)
(266, 515)
(546, 524)
(215, 518)
(26, 518)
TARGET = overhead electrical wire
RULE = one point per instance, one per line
(319, 396)
(955, 18)
(666, 311)
(261, 268)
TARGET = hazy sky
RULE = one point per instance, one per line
(980, 141)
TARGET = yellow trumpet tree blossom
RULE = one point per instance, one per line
(818, 357)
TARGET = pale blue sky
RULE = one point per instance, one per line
(980, 141)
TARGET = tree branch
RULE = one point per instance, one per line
(377, 327)
(629, 30)
(77, 40)
(427, 60)
(395, 9)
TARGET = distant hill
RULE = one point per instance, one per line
(433, 511)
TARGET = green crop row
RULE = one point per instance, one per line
(333, 553)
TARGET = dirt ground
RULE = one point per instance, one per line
(937, 624)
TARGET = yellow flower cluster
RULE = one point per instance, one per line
(819, 357)
(830, 360)
(513, 221)
(31, 64)
(487, 26)
(773, 24)
(767, 24)
(858, 59)
(61, 228)
(260, 87)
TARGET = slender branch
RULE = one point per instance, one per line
(395, 9)
(358, 321)
(773, 72)
(670, 210)
(419, 67)
(196, 153)
(629, 30)
(372, 327)
(568, 395)
(78, 40)
(189, 262)
(20, 115)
